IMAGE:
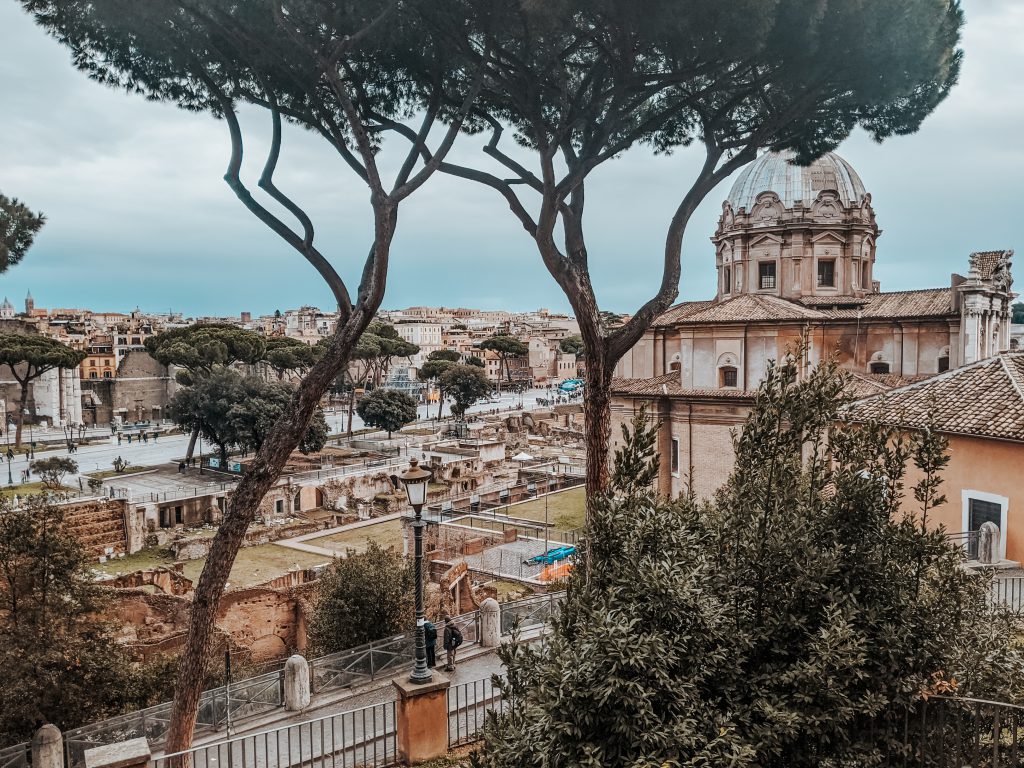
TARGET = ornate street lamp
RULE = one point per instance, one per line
(415, 481)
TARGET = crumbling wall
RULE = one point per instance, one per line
(100, 525)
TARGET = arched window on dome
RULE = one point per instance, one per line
(727, 280)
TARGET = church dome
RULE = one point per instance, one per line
(775, 172)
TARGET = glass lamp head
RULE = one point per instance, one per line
(415, 481)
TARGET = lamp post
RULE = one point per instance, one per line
(415, 481)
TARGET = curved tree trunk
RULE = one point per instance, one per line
(21, 414)
(598, 426)
(245, 501)
(191, 444)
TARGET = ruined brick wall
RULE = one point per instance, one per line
(142, 387)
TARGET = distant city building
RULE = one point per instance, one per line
(795, 254)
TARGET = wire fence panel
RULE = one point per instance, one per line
(16, 756)
(365, 737)
(468, 705)
(1008, 592)
(264, 693)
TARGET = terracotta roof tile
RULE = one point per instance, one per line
(928, 302)
(660, 386)
(984, 399)
(986, 262)
(867, 384)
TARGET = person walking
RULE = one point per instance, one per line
(430, 640)
(452, 640)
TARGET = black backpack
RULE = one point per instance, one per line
(430, 633)
(456, 637)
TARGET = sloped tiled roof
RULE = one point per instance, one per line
(927, 302)
(748, 307)
(985, 399)
(660, 386)
(867, 384)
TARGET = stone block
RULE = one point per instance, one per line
(296, 684)
(48, 748)
(490, 623)
(133, 753)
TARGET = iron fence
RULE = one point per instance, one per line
(16, 756)
(468, 705)
(530, 612)
(362, 664)
(265, 693)
(954, 732)
(1008, 592)
(364, 737)
(969, 540)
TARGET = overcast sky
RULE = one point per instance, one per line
(139, 215)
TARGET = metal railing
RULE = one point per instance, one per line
(951, 732)
(265, 692)
(1009, 592)
(16, 755)
(969, 540)
(530, 612)
(468, 705)
(364, 737)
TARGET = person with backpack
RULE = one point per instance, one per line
(430, 640)
(452, 640)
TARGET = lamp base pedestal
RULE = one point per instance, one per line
(422, 718)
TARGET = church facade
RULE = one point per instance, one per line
(795, 252)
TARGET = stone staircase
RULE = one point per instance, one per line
(99, 526)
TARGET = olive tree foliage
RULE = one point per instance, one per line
(362, 597)
(18, 229)
(387, 409)
(234, 411)
(465, 384)
(578, 83)
(795, 620)
(339, 71)
(437, 362)
(62, 662)
(53, 469)
(505, 347)
(29, 356)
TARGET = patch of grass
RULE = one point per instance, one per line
(387, 534)
(566, 509)
(510, 590)
(29, 489)
(253, 565)
(114, 473)
(150, 557)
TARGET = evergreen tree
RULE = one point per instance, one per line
(466, 384)
(795, 620)
(387, 409)
(362, 597)
(18, 228)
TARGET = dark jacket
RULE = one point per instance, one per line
(449, 631)
(429, 634)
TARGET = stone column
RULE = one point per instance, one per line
(490, 623)
(133, 753)
(48, 748)
(296, 684)
(988, 543)
(422, 719)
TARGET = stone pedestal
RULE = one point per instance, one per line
(422, 719)
(296, 684)
(126, 754)
(490, 623)
(48, 748)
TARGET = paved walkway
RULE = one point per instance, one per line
(299, 541)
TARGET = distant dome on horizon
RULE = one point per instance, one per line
(774, 172)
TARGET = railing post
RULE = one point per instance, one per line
(48, 748)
